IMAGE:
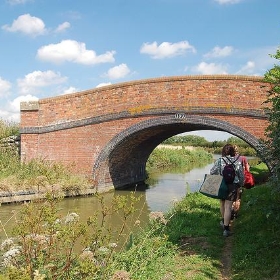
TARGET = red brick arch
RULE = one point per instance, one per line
(109, 132)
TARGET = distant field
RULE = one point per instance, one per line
(162, 146)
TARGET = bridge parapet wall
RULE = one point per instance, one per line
(221, 92)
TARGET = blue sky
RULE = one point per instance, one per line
(53, 47)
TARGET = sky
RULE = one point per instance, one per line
(54, 47)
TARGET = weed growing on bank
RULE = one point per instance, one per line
(8, 128)
(37, 175)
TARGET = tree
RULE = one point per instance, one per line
(273, 130)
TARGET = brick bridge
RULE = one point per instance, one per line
(109, 132)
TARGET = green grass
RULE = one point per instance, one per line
(256, 253)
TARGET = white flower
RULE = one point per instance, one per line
(158, 216)
(7, 244)
(113, 245)
(87, 255)
(72, 217)
(9, 256)
(103, 250)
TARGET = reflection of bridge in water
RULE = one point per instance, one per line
(109, 132)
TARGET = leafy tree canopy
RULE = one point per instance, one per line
(273, 110)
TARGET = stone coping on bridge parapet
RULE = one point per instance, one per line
(156, 80)
(29, 106)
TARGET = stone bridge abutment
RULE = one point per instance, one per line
(109, 132)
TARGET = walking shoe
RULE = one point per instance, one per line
(227, 233)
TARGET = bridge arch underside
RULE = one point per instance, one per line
(123, 161)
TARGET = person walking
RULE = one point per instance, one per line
(236, 204)
(229, 157)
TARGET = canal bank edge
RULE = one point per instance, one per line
(25, 196)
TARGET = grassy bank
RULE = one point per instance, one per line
(256, 250)
(183, 159)
(37, 175)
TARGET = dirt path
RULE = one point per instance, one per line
(226, 258)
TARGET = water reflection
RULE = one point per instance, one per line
(171, 187)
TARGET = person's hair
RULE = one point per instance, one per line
(235, 149)
(228, 150)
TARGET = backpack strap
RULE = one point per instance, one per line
(220, 166)
(233, 163)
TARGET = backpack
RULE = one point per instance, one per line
(229, 171)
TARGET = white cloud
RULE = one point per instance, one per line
(210, 68)
(5, 86)
(261, 58)
(118, 72)
(38, 79)
(9, 116)
(247, 69)
(62, 27)
(103, 85)
(11, 112)
(228, 1)
(73, 51)
(27, 24)
(219, 52)
(166, 49)
(70, 90)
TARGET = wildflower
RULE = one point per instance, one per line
(38, 238)
(158, 216)
(87, 255)
(9, 258)
(72, 217)
(38, 276)
(113, 245)
(103, 250)
(7, 244)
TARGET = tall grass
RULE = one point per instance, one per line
(38, 175)
(177, 158)
(8, 129)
